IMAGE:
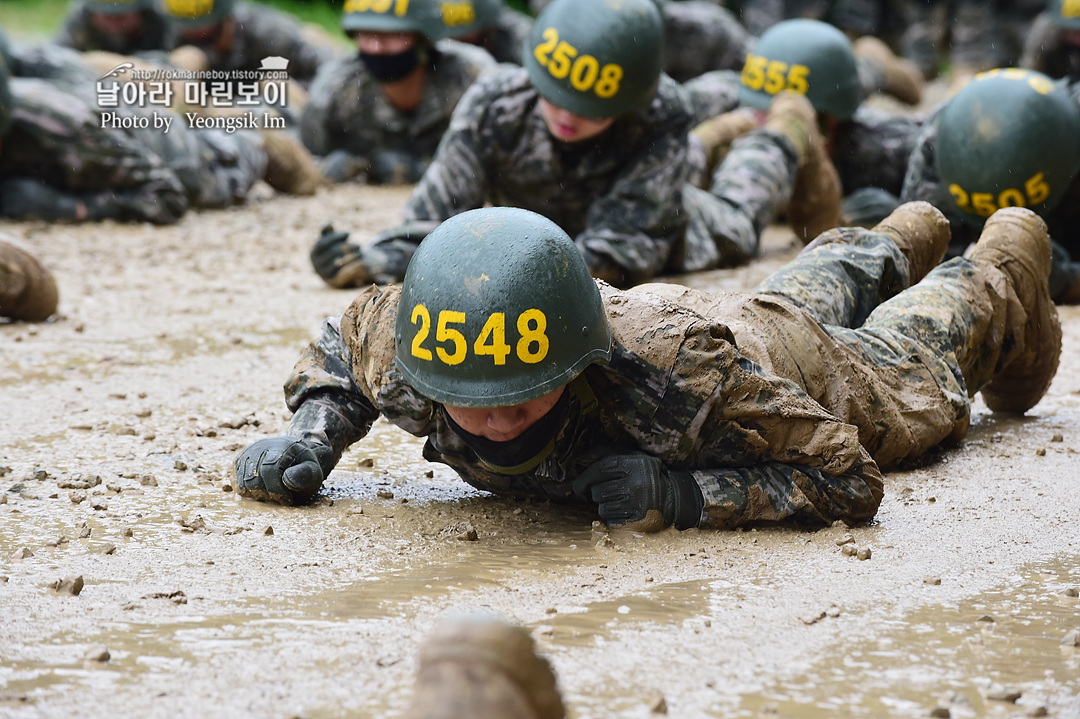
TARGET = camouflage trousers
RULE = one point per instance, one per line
(747, 190)
(898, 362)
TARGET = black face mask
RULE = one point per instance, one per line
(389, 68)
(524, 451)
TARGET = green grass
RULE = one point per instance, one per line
(32, 19)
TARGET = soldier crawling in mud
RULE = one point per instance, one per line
(1053, 45)
(868, 148)
(58, 163)
(1011, 137)
(665, 405)
(380, 114)
(237, 36)
(490, 24)
(124, 27)
(592, 135)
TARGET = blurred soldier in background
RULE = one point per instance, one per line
(1010, 138)
(125, 27)
(491, 24)
(1053, 45)
(380, 114)
(591, 134)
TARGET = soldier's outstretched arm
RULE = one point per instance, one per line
(456, 180)
(330, 413)
(631, 229)
(31, 199)
(788, 493)
(640, 492)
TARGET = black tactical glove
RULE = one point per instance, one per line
(333, 256)
(393, 167)
(342, 165)
(638, 491)
(285, 470)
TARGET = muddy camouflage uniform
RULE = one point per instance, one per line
(263, 32)
(923, 182)
(773, 403)
(1047, 52)
(58, 157)
(624, 197)
(870, 151)
(348, 112)
(79, 33)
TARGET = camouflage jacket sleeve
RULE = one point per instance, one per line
(320, 128)
(457, 179)
(873, 148)
(632, 228)
(325, 396)
(58, 140)
(758, 446)
(922, 182)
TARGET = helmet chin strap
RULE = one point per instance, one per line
(524, 452)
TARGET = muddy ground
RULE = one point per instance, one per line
(120, 420)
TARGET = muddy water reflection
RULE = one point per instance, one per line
(954, 658)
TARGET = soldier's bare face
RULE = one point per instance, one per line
(384, 43)
(568, 127)
(127, 23)
(502, 424)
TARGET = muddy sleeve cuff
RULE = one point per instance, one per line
(792, 494)
(324, 395)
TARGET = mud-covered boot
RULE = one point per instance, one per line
(716, 134)
(815, 200)
(900, 77)
(27, 289)
(921, 232)
(1016, 242)
(480, 668)
(290, 167)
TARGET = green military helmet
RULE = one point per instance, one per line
(498, 308)
(596, 58)
(1011, 137)
(468, 17)
(809, 57)
(118, 7)
(420, 16)
(197, 13)
(1065, 13)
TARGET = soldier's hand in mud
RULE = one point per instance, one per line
(342, 165)
(335, 258)
(285, 470)
(637, 491)
(29, 199)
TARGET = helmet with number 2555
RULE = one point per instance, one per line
(809, 57)
(596, 58)
(497, 308)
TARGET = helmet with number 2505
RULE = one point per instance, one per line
(596, 58)
(1011, 137)
(497, 308)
